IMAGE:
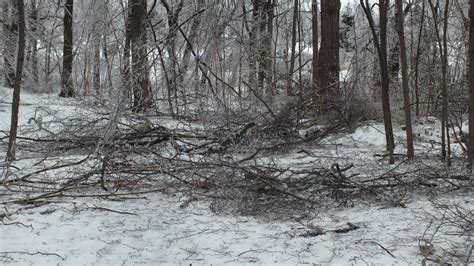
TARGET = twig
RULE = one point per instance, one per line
(110, 210)
(386, 250)
(250, 250)
(54, 167)
(32, 254)
(19, 224)
(468, 258)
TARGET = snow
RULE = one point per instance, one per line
(372, 135)
(160, 229)
(161, 232)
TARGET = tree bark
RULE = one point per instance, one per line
(471, 85)
(142, 98)
(268, 39)
(34, 42)
(96, 67)
(18, 76)
(315, 44)
(126, 80)
(406, 89)
(329, 58)
(11, 35)
(67, 89)
(291, 69)
(262, 53)
(417, 61)
(252, 53)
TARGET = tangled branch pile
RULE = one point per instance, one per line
(235, 166)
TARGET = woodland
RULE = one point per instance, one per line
(236, 131)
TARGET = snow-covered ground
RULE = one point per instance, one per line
(160, 229)
(154, 230)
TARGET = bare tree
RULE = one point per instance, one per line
(18, 77)
(406, 89)
(418, 54)
(442, 40)
(67, 89)
(173, 19)
(381, 46)
(193, 35)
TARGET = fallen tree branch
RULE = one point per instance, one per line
(4, 253)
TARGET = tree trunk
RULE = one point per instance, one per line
(406, 89)
(34, 42)
(383, 6)
(173, 15)
(105, 51)
(192, 39)
(18, 76)
(262, 53)
(381, 47)
(252, 44)
(126, 80)
(142, 98)
(443, 54)
(471, 85)
(96, 67)
(291, 69)
(67, 89)
(329, 58)
(315, 44)
(268, 39)
(417, 61)
(11, 35)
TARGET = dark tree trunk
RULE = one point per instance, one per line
(383, 5)
(329, 58)
(261, 54)
(142, 98)
(381, 47)
(315, 44)
(406, 89)
(471, 85)
(96, 68)
(18, 75)
(67, 89)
